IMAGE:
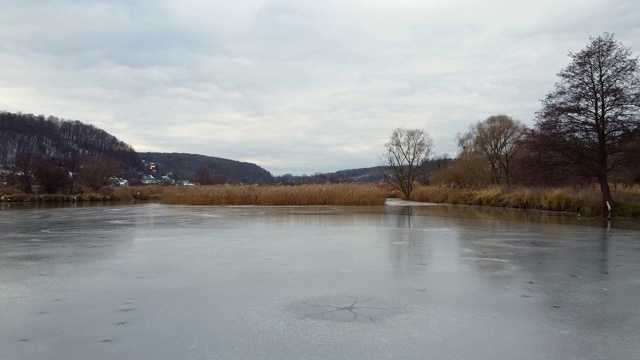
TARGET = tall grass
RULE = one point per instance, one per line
(330, 194)
(134, 193)
(585, 200)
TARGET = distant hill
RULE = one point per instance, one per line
(185, 166)
(370, 174)
(58, 138)
(363, 175)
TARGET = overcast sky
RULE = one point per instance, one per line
(293, 86)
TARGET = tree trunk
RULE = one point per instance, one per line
(607, 200)
(407, 187)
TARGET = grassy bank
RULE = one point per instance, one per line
(330, 194)
(119, 194)
(585, 200)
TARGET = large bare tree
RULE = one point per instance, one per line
(403, 158)
(497, 140)
(589, 117)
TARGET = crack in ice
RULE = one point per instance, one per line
(355, 309)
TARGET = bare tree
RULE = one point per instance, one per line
(50, 175)
(95, 172)
(72, 165)
(463, 172)
(589, 116)
(469, 168)
(23, 171)
(497, 140)
(404, 154)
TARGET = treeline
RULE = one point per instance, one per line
(361, 175)
(372, 174)
(207, 170)
(58, 139)
(54, 155)
(586, 131)
(503, 151)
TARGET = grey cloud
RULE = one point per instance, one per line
(301, 86)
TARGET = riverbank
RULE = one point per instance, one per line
(115, 194)
(583, 200)
(310, 194)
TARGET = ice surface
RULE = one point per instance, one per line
(397, 282)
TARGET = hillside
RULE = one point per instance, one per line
(185, 166)
(61, 139)
(366, 175)
(56, 138)
(363, 175)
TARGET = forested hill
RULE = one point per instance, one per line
(185, 166)
(58, 138)
(370, 174)
(364, 175)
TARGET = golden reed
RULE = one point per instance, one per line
(585, 200)
(327, 194)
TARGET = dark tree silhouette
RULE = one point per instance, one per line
(588, 118)
(50, 176)
(23, 172)
(95, 172)
(72, 166)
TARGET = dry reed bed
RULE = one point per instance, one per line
(136, 193)
(585, 200)
(133, 193)
(329, 194)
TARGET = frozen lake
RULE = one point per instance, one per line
(154, 281)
